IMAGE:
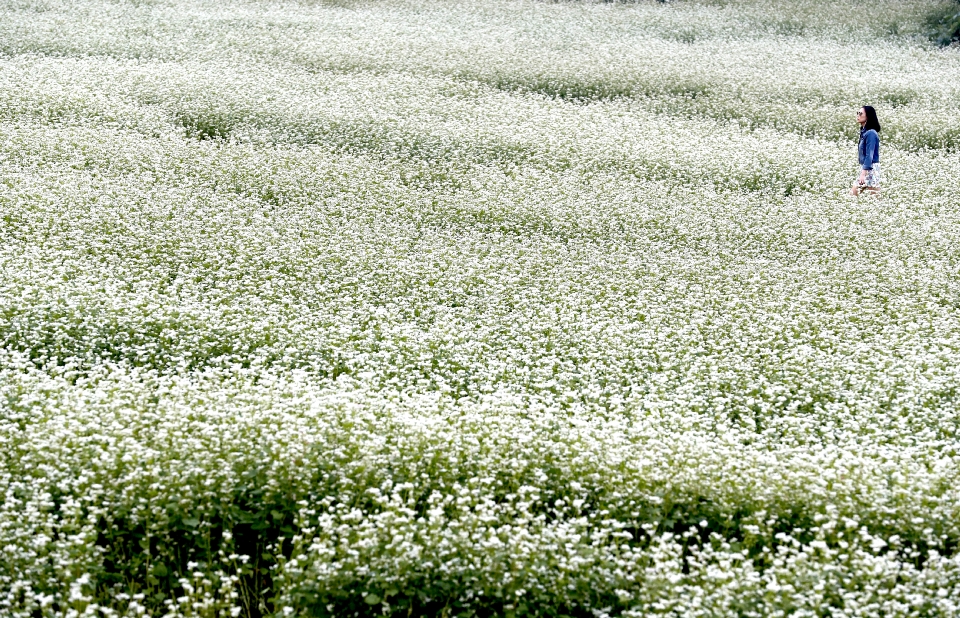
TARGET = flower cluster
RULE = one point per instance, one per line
(476, 308)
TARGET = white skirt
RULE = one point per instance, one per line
(872, 179)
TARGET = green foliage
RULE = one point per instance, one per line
(945, 25)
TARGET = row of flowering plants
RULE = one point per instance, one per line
(475, 309)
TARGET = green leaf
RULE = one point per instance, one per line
(371, 599)
(191, 522)
(241, 516)
(159, 570)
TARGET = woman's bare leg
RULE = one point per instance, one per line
(857, 190)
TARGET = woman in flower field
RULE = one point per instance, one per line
(868, 150)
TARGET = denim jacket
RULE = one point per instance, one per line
(868, 149)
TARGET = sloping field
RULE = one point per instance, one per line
(480, 308)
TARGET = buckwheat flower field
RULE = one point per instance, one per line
(477, 308)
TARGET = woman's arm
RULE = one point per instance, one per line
(870, 142)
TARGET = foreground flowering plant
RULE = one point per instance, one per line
(487, 308)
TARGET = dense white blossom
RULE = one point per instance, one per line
(479, 307)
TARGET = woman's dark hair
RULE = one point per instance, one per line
(872, 122)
